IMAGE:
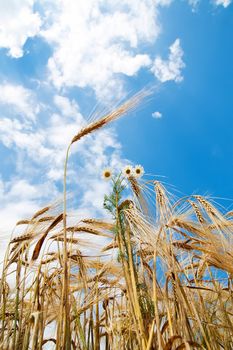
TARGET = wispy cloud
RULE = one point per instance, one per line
(170, 69)
(194, 4)
(19, 198)
(18, 22)
(20, 100)
(98, 43)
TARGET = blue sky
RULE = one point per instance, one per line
(66, 58)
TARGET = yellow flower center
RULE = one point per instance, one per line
(128, 171)
(107, 174)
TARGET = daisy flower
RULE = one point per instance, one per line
(127, 171)
(138, 171)
(107, 174)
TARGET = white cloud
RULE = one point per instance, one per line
(157, 115)
(40, 143)
(20, 99)
(18, 22)
(224, 3)
(97, 43)
(67, 107)
(17, 135)
(170, 69)
(19, 199)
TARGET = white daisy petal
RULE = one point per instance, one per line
(107, 174)
(128, 171)
(138, 171)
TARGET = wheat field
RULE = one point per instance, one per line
(156, 274)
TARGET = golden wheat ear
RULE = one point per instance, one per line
(39, 244)
(123, 109)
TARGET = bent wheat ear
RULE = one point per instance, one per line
(39, 244)
(117, 113)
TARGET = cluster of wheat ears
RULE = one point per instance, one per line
(160, 276)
